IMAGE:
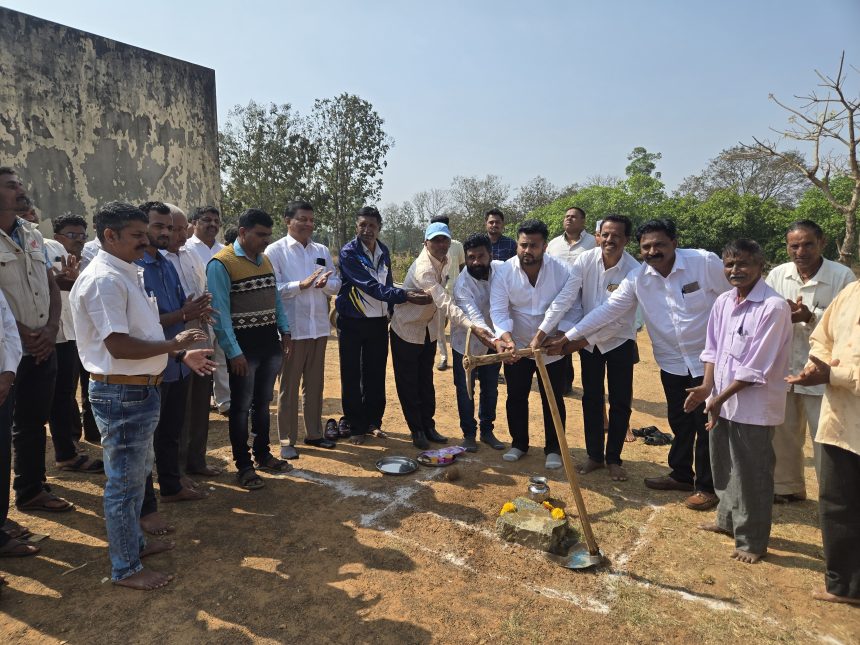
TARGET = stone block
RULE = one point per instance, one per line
(533, 526)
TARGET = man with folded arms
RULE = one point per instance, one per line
(414, 331)
(529, 296)
(306, 278)
(676, 289)
(121, 343)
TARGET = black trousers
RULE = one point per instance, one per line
(569, 373)
(363, 350)
(166, 443)
(519, 379)
(65, 419)
(413, 376)
(88, 421)
(691, 438)
(34, 396)
(839, 514)
(616, 367)
(5, 459)
(195, 429)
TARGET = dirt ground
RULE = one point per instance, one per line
(335, 552)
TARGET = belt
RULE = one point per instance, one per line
(122, 379)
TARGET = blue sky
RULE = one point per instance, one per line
(518, 89)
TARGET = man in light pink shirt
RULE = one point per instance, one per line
(746, 360)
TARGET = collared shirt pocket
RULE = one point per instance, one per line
(739, 344)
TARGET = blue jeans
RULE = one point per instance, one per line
(126, 416)
(250, 397)
(488, 377)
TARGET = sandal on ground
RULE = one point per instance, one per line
(83, 464)
(377, 432)
(17, 549)
(16, 531)
(250, 480)
(331, 432)
(644, 432)
(344, 428)
(275, 465)
(48, 502)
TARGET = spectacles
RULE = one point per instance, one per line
(74, 236)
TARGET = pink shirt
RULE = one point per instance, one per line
(751, 341)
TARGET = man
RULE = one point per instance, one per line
(367, 294)
(675, 289)
(504, 248)
(161, 282)
(529, 295)
(64, 251)
(192, 277)
(206, 222)
(250, 319)
(121, 344)
(29, 213)
(472, 295)
(809, 283)
(612, 351)
(34, 299)
(413, 335)
(834, 361)
(746, 360)
(10, 356)
(456, 261)
(568, 246)
(306, 278)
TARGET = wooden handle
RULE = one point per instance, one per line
(565, 455)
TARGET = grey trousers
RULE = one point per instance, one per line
(742, 463)
(195, 429)
(305, 366)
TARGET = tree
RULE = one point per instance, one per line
(352, 145)
(400, 230)
(430, 203)
(825, 118)
(535, 193)
(471, 198)
(266, 158)
(642, 162)
(749, 173)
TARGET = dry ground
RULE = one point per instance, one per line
(336, 552)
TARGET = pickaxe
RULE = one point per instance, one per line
(576, 558)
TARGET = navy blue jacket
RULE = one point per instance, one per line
(359, 278)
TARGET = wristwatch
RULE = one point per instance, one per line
(180, 355)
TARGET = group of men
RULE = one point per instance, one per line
(156, 319)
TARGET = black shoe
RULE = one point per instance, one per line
(434, 436)
(420, 441)
(491, 440)
(322, 442)
(469, 444)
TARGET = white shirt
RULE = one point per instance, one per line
(67, 329)
(91, 249)
(598, 284)
(675, 308)
(565, 251)
(473, 297)
(306, 309)
(521, 309)
(109, 298)
(10, 341)
(817, 293)
(191, 270)
(203, 250)
(456, 258)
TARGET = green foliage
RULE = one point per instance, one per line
(813, 205)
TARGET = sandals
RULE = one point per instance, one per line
(250, 480)
(41, 502)
(275, 465)
(331, 431)
(344, 428)
(376, 432)
(652, 436)
(83, 464)
(15, 548)
(16, 531)
(644, 432)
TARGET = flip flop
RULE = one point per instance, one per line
(644, 432)
(77, 466)
(16, 531)
(250, 480)
(344, 428)
(275, 465)
(40, 503)
(17, 549)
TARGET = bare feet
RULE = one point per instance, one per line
(206, 471)
(185, 495)
(145, 580)
(588, 466)
(357, 440)
(826, 596)
(617, 473)
(154, 524)
(187, 482)
(746, 557)
(713, 528)
(157, 546)
(630, 437)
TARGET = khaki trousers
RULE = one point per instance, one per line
(788, 441)
(305, 366)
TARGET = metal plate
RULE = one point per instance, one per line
(424, 460)
(396, 465)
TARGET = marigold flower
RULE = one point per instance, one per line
(508, 508)
(548, 506)
(557, 514)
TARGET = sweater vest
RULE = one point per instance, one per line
(253, 294)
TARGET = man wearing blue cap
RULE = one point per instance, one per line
(414, 331)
